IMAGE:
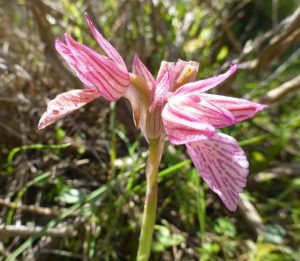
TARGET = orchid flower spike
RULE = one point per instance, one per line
(173, 104)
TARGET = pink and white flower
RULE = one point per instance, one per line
(173, 104)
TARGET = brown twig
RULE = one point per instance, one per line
(251, 216)
(33, 209)
(281, 91)
(26, 231)
(286, 170)
(271, 45)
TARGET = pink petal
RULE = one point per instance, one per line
(162, 87)
(66, 103)
(141, 70)
(182, 73)
(202, 110)
(111, 81)
(165, 68)
(204, 85)
(65, 52)
(223, 166)
(178, 74)
(241, 109)
(105, 45)
(182, 127)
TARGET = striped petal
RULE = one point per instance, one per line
(165, 68)
(241, 109)
(162, 85)
(66, 53)
(223, 166)
(204, 85)
(198, 109)
(111, 81)
(105, 45)
(183, 72)
(183, 127)
(66, 103)
(141, 70)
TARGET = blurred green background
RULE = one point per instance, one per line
(75, 190)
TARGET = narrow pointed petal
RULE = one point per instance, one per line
(141, 70)
(66, 103)
(204, 85)
(241, 109)
(162, 87)
(165, 68)
(182, 127)
(223, 166)
(66, 53)
(201, 110)
(111, 81)
(105, 45)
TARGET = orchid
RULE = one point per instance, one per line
(173, 105)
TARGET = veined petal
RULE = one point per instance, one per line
(161, 90)
(66, 103)
(204, 85)
(105, 45)
(223, 166)
(241, 109)
(202, 110)
(165, 68)
(141, 70)
(111, 81)
(182, 72)
(182, 127)
(66, 53)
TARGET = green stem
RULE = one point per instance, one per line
(155, 153)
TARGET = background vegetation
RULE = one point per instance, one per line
(75, 191)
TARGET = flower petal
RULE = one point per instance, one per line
(165, 68)
(184, 127)
(141, 70)
(162, 86)
(66, 103)
(223, 166)
(66, 53)
(105, 45)
(241, 109)
(204, 85)
(201, 110)
(180, 73)
(111, 81)
(183, 72)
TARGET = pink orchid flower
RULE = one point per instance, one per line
(173, 104)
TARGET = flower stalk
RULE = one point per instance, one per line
(149, 215)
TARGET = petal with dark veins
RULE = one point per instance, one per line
(111, 81)
(223, 166)
(66, 103)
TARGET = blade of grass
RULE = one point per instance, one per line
(14, 151)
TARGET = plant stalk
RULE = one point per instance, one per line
(149, 215)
